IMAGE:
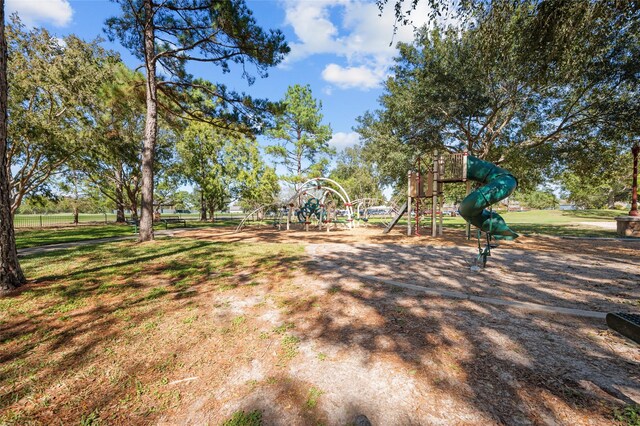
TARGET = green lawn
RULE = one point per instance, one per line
(44, 236)
(546, 222)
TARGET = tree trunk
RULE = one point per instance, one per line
(75, 215)
(120, 218)
(11, 276)
(203, 207)
(611, 199)
(150, 128)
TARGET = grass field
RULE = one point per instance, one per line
(54, 235)
(535, 222)
(572, 223)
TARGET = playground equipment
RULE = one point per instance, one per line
(496, 185)
(366, 207)
(261, 209)
(315, 202)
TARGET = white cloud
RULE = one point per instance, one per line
(350, 29)
(342, 140)
(32, 12)
(352, 77)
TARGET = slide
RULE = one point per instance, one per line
(401, 212)
(499, 184)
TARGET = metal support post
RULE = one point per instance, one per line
(634, 183)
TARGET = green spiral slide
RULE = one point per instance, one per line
(499, 184)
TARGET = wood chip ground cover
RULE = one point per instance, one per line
(202, 327)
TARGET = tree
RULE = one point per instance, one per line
(11, 276)
(258, 183)
(597, 177)
(504, 95)
(303, 139)
(356, 175)
(217, 161)
(53, 84)
(174, 32)
(538, 199)
(112, 163)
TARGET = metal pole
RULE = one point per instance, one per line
(634, 192)
(409, 177)
(409, 216)
(418, 201)
(468, 227)
(434, 194)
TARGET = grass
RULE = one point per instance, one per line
(547, 222)
(44, 236)
(240, 418)
(105, 328)
(629, 415)
(313, 396)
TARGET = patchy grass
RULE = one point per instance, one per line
(240, 418)
(313, 396)
(629, 415)
(100, 333)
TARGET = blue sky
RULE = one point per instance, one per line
(341, 48)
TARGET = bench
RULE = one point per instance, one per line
(135, 223)
(168, 220)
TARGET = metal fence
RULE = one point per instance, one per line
(66, 219)
(62, 219)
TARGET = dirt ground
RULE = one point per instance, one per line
(396, 328)
(359, 343)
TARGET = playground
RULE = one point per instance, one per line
(319, 327)
(318, 318)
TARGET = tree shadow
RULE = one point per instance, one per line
(515, 366)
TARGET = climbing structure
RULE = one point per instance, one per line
(496, 184)
(316, 203)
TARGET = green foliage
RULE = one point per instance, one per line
(303, 139)
(240, 418)
(629, 415)
(112, 167)
(53, 86)
(517, 84)
(356, 175)
(538, 199)
(224, 165)
(599, 176)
